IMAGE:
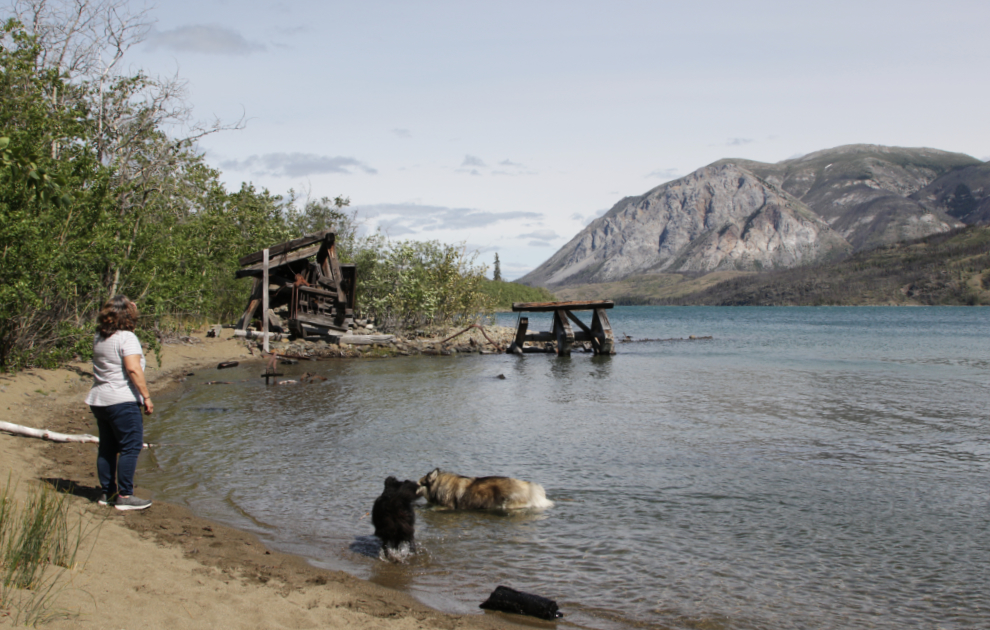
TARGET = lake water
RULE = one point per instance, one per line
(804, 468)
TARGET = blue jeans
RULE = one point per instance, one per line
(121, 438)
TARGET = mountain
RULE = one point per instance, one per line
(750, 216)
(865, 192)
(949, 268)
(963, 194)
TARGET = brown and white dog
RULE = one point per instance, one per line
(482, 493)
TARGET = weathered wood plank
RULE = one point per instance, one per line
(537, 336)
(318, 291)
(318, 320)
(543, 307)
(253, 303)
(282, 259)
(283, 248)
(365, 340)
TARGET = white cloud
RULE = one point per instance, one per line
(664, 174)
(546, 235)
(401, 133)
(539, 244)
(470, 160)
(414, 218)
(208, 39)
(508, 167)
(296, 164)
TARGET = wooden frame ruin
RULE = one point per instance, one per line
(319, 293)
(599, 333)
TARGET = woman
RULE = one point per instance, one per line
(119, 391)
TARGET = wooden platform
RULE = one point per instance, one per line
(599, 333)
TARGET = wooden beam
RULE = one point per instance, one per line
(288, 246)
(282, 259)
(545, 307)
(318, 320)
(253, 302)
(537, 336)
(577, 321)
(318, 291)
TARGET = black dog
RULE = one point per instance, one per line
(393, 516)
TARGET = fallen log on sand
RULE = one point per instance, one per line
(51, 436)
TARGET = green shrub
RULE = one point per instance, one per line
(406, 284)
(503, 294)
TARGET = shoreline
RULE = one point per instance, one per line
(165, 566)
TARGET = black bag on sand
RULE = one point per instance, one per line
(509, 600)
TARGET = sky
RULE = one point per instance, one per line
(508, 126)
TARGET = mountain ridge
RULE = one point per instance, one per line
(743, 215)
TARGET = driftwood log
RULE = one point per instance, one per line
(51, 436)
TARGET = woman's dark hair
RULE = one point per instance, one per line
(118, 313)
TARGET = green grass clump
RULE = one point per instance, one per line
(37, 545)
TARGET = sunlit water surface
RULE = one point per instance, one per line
(805, 468)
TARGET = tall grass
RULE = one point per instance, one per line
(37, 545)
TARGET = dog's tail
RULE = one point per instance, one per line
(538, 497)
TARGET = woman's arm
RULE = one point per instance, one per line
(132, 365)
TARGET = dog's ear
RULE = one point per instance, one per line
(391, 482)
(430, 478)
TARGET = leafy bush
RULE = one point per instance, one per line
(405, 284)
(503, 294)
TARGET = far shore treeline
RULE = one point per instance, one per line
(102, 191)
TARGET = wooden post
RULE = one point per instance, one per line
(264, 297)
(562, 329)
(517, 345)
(602, 330)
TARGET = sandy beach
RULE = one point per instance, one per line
(164, 567)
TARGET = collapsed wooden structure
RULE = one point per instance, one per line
(319, 292)
(599, 333)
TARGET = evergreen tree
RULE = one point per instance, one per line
(497, 277)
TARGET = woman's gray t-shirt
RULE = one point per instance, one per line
(111, 385)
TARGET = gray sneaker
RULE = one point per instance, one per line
(132, 503)
(103, 500)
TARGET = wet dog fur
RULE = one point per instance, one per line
(481, 493)
(393, 515)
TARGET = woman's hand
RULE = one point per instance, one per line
(149, 407)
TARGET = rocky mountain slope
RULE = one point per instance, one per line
(949, 268)
(746, 215)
